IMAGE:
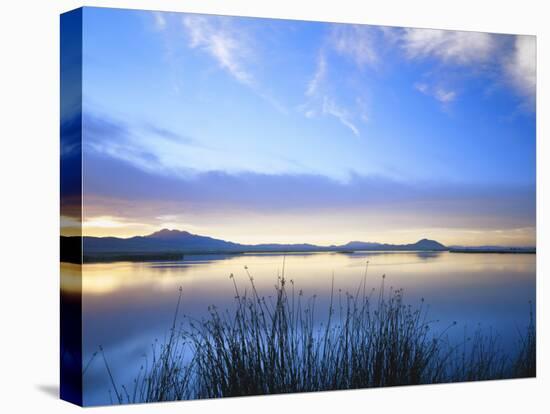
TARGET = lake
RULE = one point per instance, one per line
(127, 305)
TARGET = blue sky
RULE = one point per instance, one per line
(260, 130)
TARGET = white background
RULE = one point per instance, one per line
(29, 151)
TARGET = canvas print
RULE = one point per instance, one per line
(256, 206)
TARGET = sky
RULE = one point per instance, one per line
(263, 130)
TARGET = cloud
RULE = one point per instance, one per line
(487, 54)
(466, 49)
(441, 94)
(216, 36)
(444, 96)
(331, 108)
(71, 134)
(71, 162)
(521, 67)
(145, 145)
(114, 188)
(164, 151)
(167, 134)
(449, 46)
(231, 46)
(421, 87)
(355, 41)
(159, 20)
(315, 83)
(321, 100)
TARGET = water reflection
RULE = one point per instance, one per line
(127, 305)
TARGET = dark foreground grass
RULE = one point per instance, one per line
(276, 345)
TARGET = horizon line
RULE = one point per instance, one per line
(324, 245)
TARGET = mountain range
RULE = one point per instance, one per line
(176, 241)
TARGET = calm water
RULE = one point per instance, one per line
(127, 305)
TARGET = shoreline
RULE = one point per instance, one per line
(178, 256)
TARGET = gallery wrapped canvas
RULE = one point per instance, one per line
(258, 206)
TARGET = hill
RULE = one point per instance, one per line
(170, 243)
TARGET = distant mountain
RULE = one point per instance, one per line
(172, 241)
(160, 241)
(427, 244)
(424, 244)
(358, 245)
(166, 234)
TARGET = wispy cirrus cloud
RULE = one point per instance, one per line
(355, 41)
(440, 93)
(464, 49)
(159, 20)
(331, 108)
(321, 101)
(521, 67)
(449, 46)
(228, 46)
(231, 46)
(318, 78)
(444, 96)
(149, 147)
(482, 52)
(161, 150)
(228, 43)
